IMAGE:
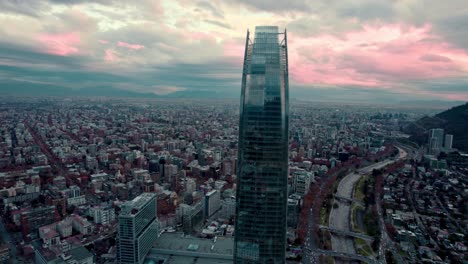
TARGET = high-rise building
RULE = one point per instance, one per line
(293, 210)
(170, 172)
(212, 203)
(448, 142)
(138, 229)
(162, 175)
(190, 185)
(261, 206)
(191, 216)
(436, 140)
(301, 182)
(228, 207)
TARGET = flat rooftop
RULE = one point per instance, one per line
(137, 203)
(176, 248)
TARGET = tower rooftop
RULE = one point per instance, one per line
(133, 206)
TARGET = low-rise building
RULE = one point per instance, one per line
(102, 214)
(81, 225)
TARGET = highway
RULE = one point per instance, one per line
(340, 218)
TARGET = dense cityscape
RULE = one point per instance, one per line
(69, 166)
(233, 132)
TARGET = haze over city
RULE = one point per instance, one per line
(378, 51)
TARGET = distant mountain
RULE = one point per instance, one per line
(198, 94)
(38, 89)
(454, 121)
(430, 104)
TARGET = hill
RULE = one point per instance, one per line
(454, 121)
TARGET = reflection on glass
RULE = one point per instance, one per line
(263, 150)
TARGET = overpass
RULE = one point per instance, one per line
(344, 255)
(348, 200)
(347, 233)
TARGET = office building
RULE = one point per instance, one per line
(137, 229)
(301, 182)
(191, 216)
(436, 140)
(293, 211)
(228, 208)
(261, 208)
(212, 203)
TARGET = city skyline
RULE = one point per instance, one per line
(362, 50)
(74, 174)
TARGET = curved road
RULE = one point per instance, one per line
(340, 217)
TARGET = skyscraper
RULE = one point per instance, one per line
(448, 142)
(137, 229)
(436, 140)
(261, 205)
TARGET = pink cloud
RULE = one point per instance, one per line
(201, 36)
(60, 44)
(376, 55)
(130, 46)
(109, 55)
(205, 37)
(163, 90)
(434, 57)
(103, 41)
(456, 96)
(234, 50)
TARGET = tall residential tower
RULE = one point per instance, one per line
(261, 205)
(436, 140)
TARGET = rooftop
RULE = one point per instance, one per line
(176, 248)
(211, 192)
(80, 253)
(137, 203)
(266, 29)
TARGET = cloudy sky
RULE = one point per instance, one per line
(338, 49)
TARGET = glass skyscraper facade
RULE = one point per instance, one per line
(261, 205)
(138, 229)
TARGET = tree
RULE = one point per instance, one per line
(59, 209)
(34, 203)
(442, 155)
(71, 209)
(297, 241)
(376, 172)
(365, 187)
(389, 257)
(391, 230)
